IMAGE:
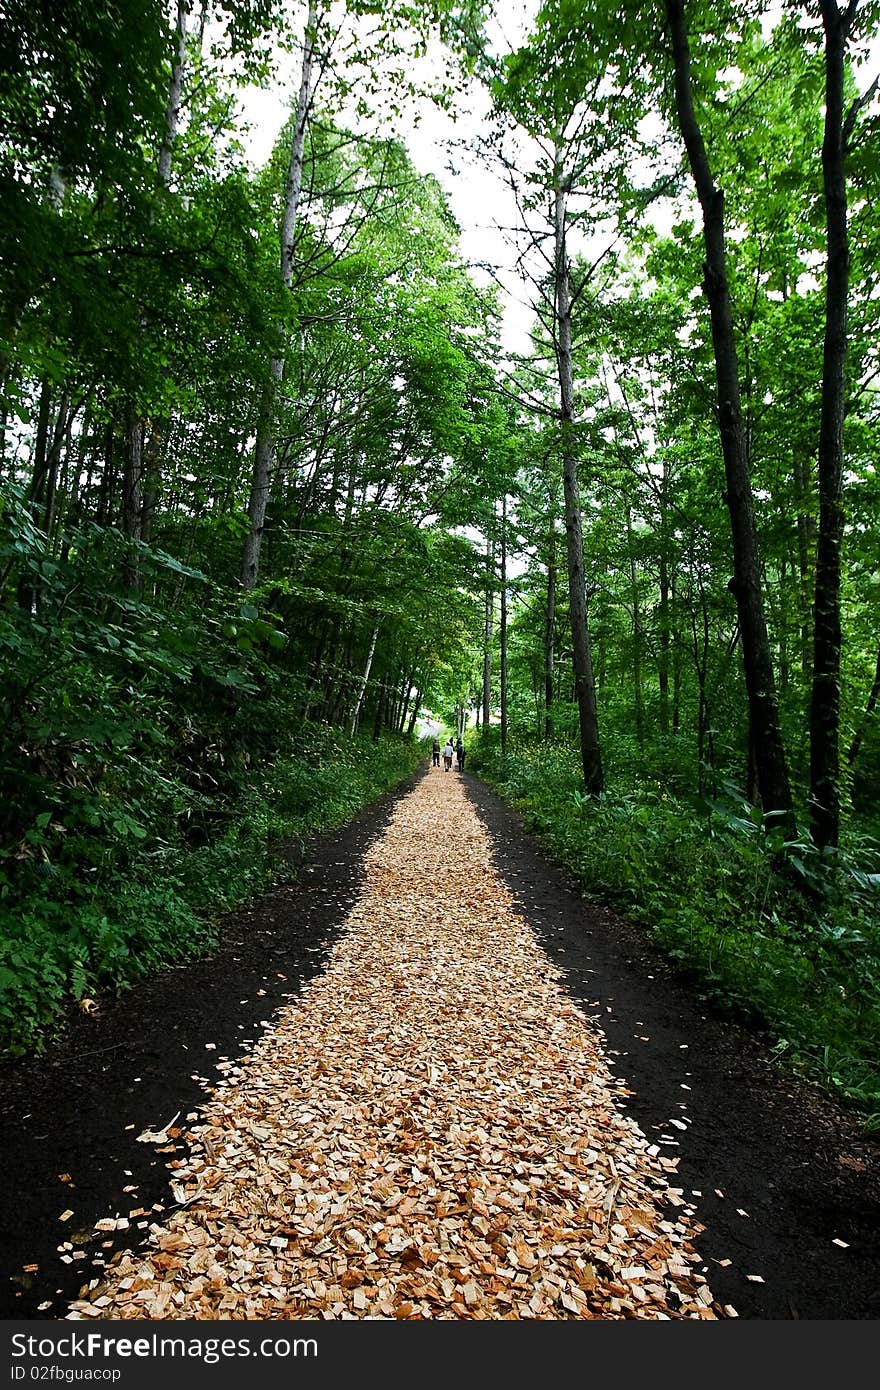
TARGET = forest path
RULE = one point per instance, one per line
(430, 1130)
(782, 1179)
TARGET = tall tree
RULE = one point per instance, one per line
(584, 679)
(766, 733)
(825, 701)
(264, 449)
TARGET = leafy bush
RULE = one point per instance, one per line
(79, 935)
(788, 937)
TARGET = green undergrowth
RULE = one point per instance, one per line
(768, 929)
(96, 905)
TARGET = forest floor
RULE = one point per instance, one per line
(428, 1080)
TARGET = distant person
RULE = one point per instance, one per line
(447, 755)
(459, 754)
(435, 752)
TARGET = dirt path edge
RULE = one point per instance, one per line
(148, 1055)
(776, 1148)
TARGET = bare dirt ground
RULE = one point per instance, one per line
(480, 1098)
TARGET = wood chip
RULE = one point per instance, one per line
(431, 1129)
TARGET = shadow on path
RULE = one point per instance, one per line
(149, 1055)
(706, 1089)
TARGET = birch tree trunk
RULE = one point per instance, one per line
(362, 683)
(175, 88)
(264, 451)
(584, 681)
(746, 583)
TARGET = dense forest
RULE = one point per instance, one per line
(274, 483)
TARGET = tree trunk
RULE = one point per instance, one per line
(405, 694)
(637, 633)
(806, 533)
(264, 452)
(132, 495)
(172, 109)
(502, 672)
(676, 659)
(411, 726)
(585, 686)
(701, 664)
(825, 700)
(488, 626)
(549, 635)
(873, 697)
(380, 710)
(745, 585)
(362, 683)
(665, 625)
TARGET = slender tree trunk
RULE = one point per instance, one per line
(584, 682)
(665, 625)
(550, 634)
(637, 633)
(502, 672)
(175, 88)
(705, 741)
(315, 667)
(873, 697)
(825, 701)
(380, 710)
(132, 495)
(806, 533)
(46, 490)
(405, 694)
(414, 714)
(41, 448)
(264, 452)
(745, 585)
(27, 593)
(663, 670)
(488, 626)
(676, 657)
(362, 683)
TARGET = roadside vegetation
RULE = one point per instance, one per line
(763, 927)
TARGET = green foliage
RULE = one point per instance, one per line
(788, 940)
(69, 930)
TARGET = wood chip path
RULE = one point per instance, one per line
(430, 1130)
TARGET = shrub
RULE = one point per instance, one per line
(788, 937)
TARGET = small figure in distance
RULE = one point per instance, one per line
(447, 755)
(435, 751)
(459, 754)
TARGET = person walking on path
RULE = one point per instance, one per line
(459, 754)
(447, 755)
(435, 752)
